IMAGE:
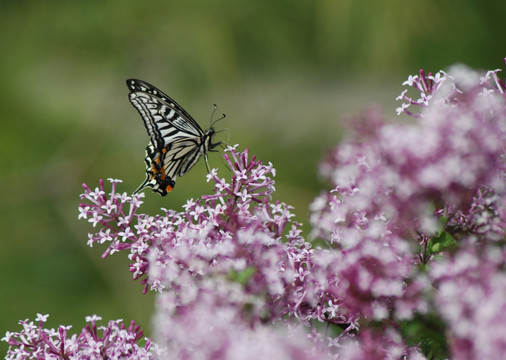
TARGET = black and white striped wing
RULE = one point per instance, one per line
(165, 120)
(180, 157)
(163, 166)
(176, 142)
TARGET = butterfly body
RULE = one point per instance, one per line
(176, 139)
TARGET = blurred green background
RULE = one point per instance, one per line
(284, 72)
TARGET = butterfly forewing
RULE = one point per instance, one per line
(161, 114)
(177, 141)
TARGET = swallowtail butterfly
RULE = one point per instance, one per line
(177, 141)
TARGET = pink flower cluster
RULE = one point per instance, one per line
(471, 298)
(114, 341)
(411, 252)
(399, 171)
(425, 195)
(206, 329)
(235, 251)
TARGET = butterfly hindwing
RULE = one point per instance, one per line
(177, 141)
(156, 177)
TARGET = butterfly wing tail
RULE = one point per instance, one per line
(161, 187)
(145, 184)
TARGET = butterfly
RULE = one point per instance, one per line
(177, 141)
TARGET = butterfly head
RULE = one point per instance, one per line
(208, 144)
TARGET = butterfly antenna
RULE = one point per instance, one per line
(223, 116)
(212, 115)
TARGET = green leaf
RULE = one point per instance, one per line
(441, 242)
(242, 277)
(442, 221)
(428, 332)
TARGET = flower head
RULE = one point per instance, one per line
(114, 341)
